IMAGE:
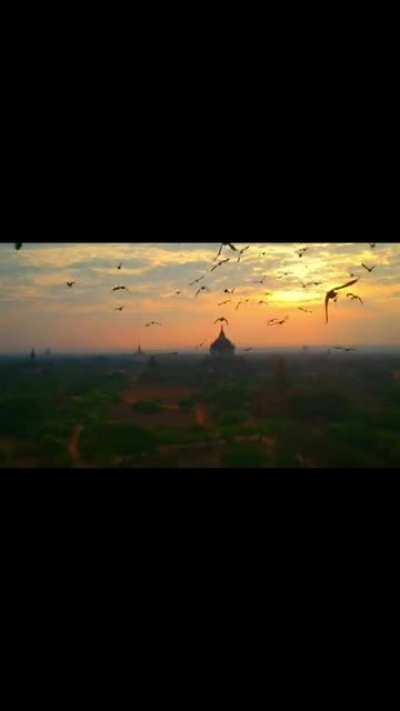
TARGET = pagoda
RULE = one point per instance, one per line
(141, 355)
(222, 346)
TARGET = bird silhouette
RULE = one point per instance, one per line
(332, 295)
(222, 303)
(241, 302)
(219, 264)
(202, 288)
(70, 283)
(18, 245)
(153, 323)
(222, 318)
(302, 251)
(226, 244)
(277, 322)
(369, 269)
(306, 311)
(241, 251)
(354, 297)
(195, 281)
(119, 288)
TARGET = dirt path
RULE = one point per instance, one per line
(73, 444)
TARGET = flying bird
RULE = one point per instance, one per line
(197, 280)
(277, 322)
(241, 302)
(369, 269)
(18, 245)
(219, 264)
(153, 323)
(226, 244)
(119, 288)
(222, 319)
(354, 297)
(332, 295)
(70, 283)
(306, 311)
(222, 303)
(241, 252)
(202, 288)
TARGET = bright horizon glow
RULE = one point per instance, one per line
(38, 310)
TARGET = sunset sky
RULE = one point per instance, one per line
(38, 310)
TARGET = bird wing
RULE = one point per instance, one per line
(349, 283)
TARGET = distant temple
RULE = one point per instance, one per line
(141, 355)
(222, 346)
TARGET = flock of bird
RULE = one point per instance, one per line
(331, 294)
